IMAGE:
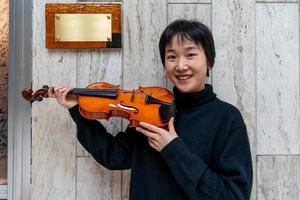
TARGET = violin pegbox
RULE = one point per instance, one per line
(28, 94)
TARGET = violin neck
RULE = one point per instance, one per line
(110, 93)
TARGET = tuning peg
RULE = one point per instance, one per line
(39, 98)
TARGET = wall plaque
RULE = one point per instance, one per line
(83, 25)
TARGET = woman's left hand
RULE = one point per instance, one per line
(158, 138)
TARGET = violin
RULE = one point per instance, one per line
(154, 105)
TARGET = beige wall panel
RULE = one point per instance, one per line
(99, 66)
(94, 182)
(143, 22)
(100, 1)
(53, 153)
(200, 12)
(278, 177)
(233, 77)
(189, 1)
(276, 1)
(125, 184)
(53, 138)
(277, 51)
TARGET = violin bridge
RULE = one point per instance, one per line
(132, 96)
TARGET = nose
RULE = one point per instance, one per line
(181, 65)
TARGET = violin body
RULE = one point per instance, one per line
(154, 105)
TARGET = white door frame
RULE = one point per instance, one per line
(19, 111)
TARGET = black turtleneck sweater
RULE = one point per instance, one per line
(210, 158)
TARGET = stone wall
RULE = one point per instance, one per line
(256, 69)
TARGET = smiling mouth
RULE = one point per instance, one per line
(183, 77)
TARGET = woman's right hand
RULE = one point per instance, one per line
(62, 96)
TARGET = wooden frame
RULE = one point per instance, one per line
(52, 9)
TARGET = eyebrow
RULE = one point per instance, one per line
(191, 48)
(186, 48)
(170, 50)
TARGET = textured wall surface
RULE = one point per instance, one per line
(256, 69)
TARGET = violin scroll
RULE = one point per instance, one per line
(28, 94)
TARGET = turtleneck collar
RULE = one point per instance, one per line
(184, 100)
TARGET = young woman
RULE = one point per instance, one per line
(205, 152)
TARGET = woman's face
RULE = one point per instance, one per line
(186, 64)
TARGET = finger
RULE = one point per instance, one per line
(58, 93)
(61, 90)
(151, 127)
(65, 92)
(51, 92)
(154, 139)
(152, 143)
(171, 125)
(57, 89)
(146, 132)
(142, 130)
(63, 95)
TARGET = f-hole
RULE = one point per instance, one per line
(126, 107)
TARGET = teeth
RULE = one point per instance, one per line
(185, 77)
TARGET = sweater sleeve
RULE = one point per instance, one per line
(232, 179)
(114, 153)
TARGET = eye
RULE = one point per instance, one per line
(171, 57)
(191, 55)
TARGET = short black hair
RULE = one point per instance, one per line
(192, 30)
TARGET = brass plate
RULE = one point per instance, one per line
(83, 27)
